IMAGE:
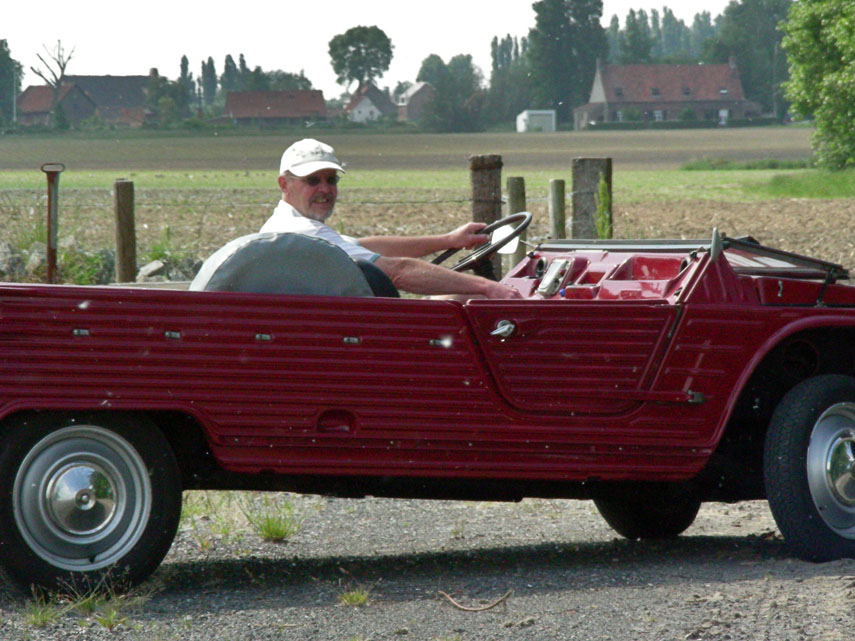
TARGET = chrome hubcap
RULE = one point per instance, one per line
(831, 468)
(82, 498)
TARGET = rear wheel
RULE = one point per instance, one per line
(809, 467)
(86, 498)
(650, 512)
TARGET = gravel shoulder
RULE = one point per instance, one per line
(568, 575)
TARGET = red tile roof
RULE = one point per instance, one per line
(671, 83)
(276, 104)
(378, 98)
(39, 99)
(113, 92)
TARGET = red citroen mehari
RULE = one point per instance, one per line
(649, 376)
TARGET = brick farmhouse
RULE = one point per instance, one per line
(665, 92)
(117, 100)
(296, 107)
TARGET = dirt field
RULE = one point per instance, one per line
(199, 222)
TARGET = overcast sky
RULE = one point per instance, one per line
(130, 38)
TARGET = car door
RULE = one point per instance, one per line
(578, 358)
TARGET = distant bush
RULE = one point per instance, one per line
(711, 164)
(632, 115)
(680, 124)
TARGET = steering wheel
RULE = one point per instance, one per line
(486, 251)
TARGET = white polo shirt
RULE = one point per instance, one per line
(287, 219)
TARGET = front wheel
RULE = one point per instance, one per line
(650, 512)
(809, 467)
(86, 498)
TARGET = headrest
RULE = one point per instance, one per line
(281, 263)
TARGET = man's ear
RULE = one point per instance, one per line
(282, 183)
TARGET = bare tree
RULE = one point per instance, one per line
(54, 70)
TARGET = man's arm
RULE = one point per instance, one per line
(464, 237)
(418, 277)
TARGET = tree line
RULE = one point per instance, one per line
(551, 67)
(785, 51)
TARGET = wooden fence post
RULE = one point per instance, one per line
(485, 174)
(557, 209)
(587, 173)
(126, 242)
(516, 204)
(52, 171)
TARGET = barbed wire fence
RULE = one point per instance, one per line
(198, 221)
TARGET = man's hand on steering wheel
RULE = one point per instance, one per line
(485, 251)
(467, 236)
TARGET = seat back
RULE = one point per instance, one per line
(281, 263)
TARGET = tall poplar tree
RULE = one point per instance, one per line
(563, 48)
(186, 81)
(10, 82)
(637, 43)
(229, 81)
(750, 34)
(209, 81)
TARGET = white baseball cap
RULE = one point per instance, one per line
(307, 156)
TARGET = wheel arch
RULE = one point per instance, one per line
(184, 432)
(796, 352)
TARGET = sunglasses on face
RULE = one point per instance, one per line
(314, 181)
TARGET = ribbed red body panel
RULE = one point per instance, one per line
(625, 388)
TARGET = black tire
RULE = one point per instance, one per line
(650, 512)
(85, 499)
(808, 467)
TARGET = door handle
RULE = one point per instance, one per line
(504, 328)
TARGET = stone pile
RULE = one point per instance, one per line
(75, 265)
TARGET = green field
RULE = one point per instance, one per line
(405, 161)
(195, 192)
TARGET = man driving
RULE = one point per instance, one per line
(308, 180)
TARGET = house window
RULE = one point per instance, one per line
(658, 115)
(654, 91)
(619, 115)
(619, 92)
(687, 91)
(723, 91)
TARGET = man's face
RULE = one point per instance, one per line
(313, 195)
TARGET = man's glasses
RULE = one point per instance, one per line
(314, 181)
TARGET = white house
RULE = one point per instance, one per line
(369, 104)
(536, 120)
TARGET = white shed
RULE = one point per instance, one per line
(536, 120)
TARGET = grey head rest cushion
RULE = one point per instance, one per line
(281, 263)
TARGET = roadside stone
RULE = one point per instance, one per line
(12, 264)
(107, 272)
(36, 263)
(185, 269)
(155, 270)
(68, 244)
